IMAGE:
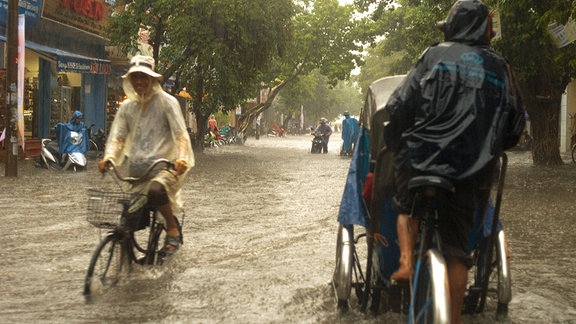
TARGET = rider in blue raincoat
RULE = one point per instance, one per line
(72, 136)
(350, 131)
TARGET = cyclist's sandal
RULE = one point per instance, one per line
(171, 244)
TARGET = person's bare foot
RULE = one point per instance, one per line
(402, 274)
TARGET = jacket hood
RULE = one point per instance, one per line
(75, 116)
(467, 22)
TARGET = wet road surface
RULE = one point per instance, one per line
(260, 233)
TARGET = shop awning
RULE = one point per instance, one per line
(69, 62)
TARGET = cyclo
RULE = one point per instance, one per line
(367, 252)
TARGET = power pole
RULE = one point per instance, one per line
(11, 86)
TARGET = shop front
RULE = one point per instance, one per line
(65, 66)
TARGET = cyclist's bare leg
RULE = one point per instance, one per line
(158, 198)
(171, 225)
(407, 228)
(457, 277)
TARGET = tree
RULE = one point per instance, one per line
(543, 74)
(217, 49)
(326, 37)
(379, 65)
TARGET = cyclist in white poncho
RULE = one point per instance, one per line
(150, 126)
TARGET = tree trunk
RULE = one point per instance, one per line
(202, 128)
(544, 123)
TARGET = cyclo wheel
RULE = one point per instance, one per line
(108, 264)
(492, 277)
(430, 302)
(342, 277)
(574, 153)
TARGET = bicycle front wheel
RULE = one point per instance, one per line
(149, 244)
(109, 262)
(430, 301)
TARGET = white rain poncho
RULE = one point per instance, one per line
(147, 129)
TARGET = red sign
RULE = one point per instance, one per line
(87, 15)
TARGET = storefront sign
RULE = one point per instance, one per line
(29, 8)
(88, 15)
(79, 65)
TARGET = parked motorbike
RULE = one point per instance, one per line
(230, 134)
(317, 142)
(69, 153)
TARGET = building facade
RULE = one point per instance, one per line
(66, 64)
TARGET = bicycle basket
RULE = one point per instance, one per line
(105, 207)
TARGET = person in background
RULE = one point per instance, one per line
(452, 117)
(213, 124)
(150, 126)
(325, 130)
(72, 136)
(350, 131)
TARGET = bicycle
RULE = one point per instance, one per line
(123, 245)
(429, 296)
(490, 271)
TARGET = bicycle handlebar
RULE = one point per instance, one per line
(110, 165)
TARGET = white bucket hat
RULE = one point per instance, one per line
(144, 64)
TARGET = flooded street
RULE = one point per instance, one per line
(259, 243)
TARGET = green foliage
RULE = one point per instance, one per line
(379, 65)
(215, 48)
(542, 69)
(406, 30)
(318, 97)
(326, 37)
(525, 30)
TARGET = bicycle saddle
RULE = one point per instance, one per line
(424, 183)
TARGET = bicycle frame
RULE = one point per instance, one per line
(150, 252)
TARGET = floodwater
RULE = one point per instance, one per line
(260, 234)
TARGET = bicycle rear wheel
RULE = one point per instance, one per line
(430, 302)
(574, 153)
(108, 264)
(93, 150)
